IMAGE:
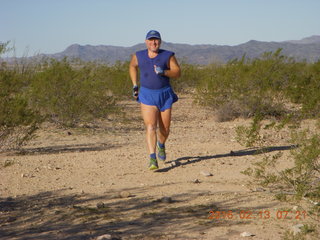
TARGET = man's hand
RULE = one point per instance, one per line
(135, 90)
(158, 70)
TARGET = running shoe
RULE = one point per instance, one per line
(161, 152)
(153, 165)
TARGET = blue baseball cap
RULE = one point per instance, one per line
(153, 34)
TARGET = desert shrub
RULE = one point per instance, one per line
(190, 76)
(18, 121)
(68, 95)
(250, 136)
(304, 89)
(240, 89)
(262, 86)
(65, 92)
(300, 180)
(308, 231)
(116, 78)
(305, 173)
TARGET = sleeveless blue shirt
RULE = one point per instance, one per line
(148, 77)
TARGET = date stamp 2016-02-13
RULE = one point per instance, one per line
(263, 214)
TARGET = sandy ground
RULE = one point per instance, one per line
(82, 184)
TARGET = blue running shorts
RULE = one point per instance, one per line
(161, 98)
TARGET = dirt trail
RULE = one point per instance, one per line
(80, 185)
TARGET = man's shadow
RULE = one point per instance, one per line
(193, 159)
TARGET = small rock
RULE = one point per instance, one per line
(124, 194)
(104, 237)
(27, 175)
(297, 228)
(314, 203)
(166, 200)
(246, 234)
(175, 163)
(259, 190)
(295, 208)
(196, 181)
(8, 162)
(206, 174)
(100, 205)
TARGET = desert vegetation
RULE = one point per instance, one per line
(68, 93)
(274, 91)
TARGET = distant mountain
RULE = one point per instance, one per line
(305, 49)
(307, 40)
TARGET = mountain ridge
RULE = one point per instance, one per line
(306, 49)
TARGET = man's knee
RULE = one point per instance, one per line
(151, 127)
(165, 131)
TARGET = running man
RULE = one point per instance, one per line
(155, 95)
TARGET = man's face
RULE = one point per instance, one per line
(153, 44)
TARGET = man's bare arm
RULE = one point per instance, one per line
(174, 70)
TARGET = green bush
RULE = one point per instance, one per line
(302, 179)
(304, 89)
(190, 76)
(276, 88)
(263, 86)
(18, 121)
(70, 95)
(65, 92)
(116, 78)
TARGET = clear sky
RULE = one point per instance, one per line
(50, 26)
